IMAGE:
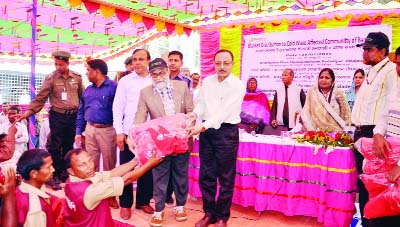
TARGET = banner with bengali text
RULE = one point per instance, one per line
(306, 52)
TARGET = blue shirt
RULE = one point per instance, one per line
(187, 80)
(96, 105)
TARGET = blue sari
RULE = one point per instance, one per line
(351, 95)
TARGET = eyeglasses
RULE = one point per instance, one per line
(225, 63)
(157, 74)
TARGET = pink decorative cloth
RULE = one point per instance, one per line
(292, 180)
(209, 45)
(163, 136)
(255, 109)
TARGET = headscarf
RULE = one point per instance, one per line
(255, 108)
(247, 85)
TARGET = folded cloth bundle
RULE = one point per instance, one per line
(374, 164)
(161, 136)
(384, 196)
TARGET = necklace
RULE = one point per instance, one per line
(326, 95)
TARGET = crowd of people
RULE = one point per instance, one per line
(92, 124)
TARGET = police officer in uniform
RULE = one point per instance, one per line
(64, 89)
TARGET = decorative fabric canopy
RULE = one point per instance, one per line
(106, 27)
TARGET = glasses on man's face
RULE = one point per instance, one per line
(157, 74)
(225, 63)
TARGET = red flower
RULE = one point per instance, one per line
(338, 136)
(311, 134)
(321, 134)
(347, 141)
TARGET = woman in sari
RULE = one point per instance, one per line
(255, 107)
(326, 107)
(358, 79)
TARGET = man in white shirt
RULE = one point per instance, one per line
(380, 143)
(124, 109)
(372, 99)
(289, 99)
(218, 105)
(21, 136)
(196, 84)
(4, 111)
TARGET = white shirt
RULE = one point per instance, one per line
(393, 104)
(3, 118)
(196, 92)
(220, 102)
(373, 96)
(294, 103)
(44, 133)
(126, 100)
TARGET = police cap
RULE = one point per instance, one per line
(128, 61)
(62, 55)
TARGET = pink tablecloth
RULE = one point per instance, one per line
(292, 180)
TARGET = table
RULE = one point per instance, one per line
(292, 178)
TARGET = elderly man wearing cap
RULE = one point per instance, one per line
(64, 88)
(371, 100)
(163, 98)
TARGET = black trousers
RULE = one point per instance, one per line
(176, 167)
(218, 151)
(144, 190)
(392, 221)
(362, 191)
(62, 137)
(170, 187)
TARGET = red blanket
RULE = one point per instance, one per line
(384, 196)
(162, 136)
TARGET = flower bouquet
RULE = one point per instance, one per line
(325, 139)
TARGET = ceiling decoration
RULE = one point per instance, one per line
(94, 27)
